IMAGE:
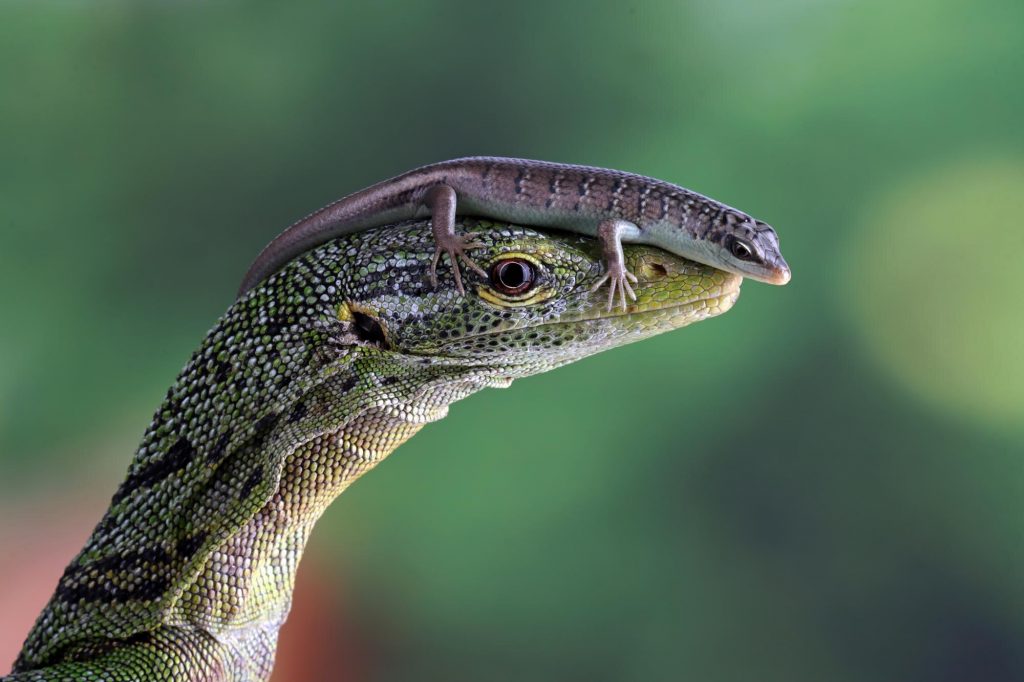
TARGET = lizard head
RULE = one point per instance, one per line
(749, 247)
(535, 310)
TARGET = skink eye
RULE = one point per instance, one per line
(512, 276)
(741, 250)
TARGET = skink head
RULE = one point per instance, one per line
(747, 247)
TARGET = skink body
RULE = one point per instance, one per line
(612, 205)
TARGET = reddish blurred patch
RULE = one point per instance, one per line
(36, 542)
(317, 643)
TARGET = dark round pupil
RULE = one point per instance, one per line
(513, 275)
(741, 250)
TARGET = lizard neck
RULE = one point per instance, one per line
(242, 593)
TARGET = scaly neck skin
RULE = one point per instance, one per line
(246, 612)
(238, 589)
(306, 383)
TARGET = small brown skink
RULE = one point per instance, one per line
(612, 205)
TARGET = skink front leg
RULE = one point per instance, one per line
(610, 232)
(441, 201)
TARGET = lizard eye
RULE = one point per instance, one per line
(512, 276)
(741, 250)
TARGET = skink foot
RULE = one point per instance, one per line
(456, 247)
(618, 278)
(441, 200)
(610, 233)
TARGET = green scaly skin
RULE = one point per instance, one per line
(307, 382)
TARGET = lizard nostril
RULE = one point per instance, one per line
(654, 270)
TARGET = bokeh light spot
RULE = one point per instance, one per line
(935, 283)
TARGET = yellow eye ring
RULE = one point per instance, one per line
(513, 282)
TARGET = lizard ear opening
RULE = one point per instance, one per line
(368, 330)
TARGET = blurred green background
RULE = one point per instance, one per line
(824, 484)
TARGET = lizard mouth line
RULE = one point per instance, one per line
(729, 294)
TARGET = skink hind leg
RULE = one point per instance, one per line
(610, 233)
(441, 200)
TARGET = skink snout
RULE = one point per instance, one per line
(781, 273)
(778, 270)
